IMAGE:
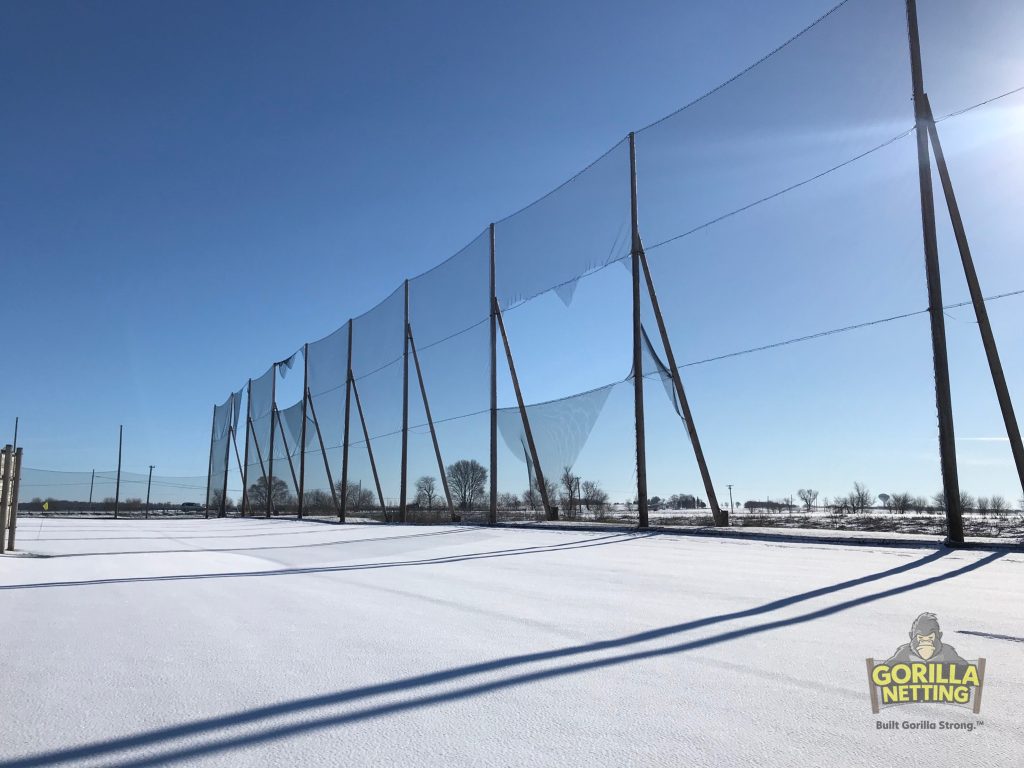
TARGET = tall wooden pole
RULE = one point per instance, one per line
(721, 517)
(988, 339)
(402, 509)
(344, 442)
(430, 423)
(302, 432)
(248, 432)
(638, 360)
(492, 512)
(542, 487)
(943, 398)
(117, 491)
(149, 487)
(270, 454)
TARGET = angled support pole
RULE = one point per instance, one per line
(940, 360)
(117, 489)
(263, 469)
(638, 359)
(402, 499)
(988, 339)
(430, 423)
(369, 445)
(492, 511)
(248, 433)
(721, 517)
(223, 511)
(209, 467)
(323, 452)
(238, 461)
(287, 451)
(302, 432)
(344, 442)
(549, 512)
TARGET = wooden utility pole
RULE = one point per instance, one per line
(492, 512)
(940, 360)
(638, 360)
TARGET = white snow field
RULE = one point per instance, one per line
(288, 643)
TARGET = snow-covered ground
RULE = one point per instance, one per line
(266, 642)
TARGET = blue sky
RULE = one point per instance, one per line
(192, 190)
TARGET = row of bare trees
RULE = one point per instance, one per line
(861, 499)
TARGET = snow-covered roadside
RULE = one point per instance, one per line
(267, 642)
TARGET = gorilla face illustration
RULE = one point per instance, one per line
(924, 645)
(925, 636)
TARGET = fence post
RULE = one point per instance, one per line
(940, 361)
(5, 490)
(13, 519)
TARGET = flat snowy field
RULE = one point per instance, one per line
(285, 643)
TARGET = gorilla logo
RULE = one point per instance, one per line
(926, 645)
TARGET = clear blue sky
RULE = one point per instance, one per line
(191, 190)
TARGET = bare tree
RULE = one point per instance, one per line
(280, 495)
(570, 491)
(508, 502)
(998, 504)
(861, 498)
(594, 497)
(967, 501)
(317, 501)
(983, 504)
(466, 479)
(808, 496)
(531, 498)
(426, 491)
(357, 497)
(900, 503)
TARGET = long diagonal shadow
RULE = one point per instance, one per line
(161, 736)
(325, 543)
(596, 541)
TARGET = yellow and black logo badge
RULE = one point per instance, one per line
(926, 671)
